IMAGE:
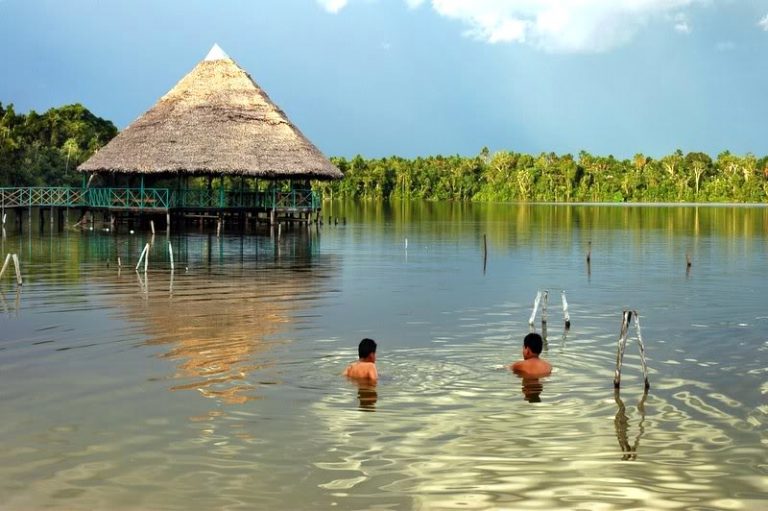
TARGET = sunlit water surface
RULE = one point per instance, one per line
(216, 386)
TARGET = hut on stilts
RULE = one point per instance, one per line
(215, 146)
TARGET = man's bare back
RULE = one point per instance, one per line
(362, 370)
(532, 368)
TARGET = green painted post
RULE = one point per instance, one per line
(221, 192)
(141, 193)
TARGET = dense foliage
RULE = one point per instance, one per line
(510, 176)
(44, 149)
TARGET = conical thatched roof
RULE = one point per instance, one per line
(216, 120)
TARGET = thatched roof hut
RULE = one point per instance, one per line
(215, 121)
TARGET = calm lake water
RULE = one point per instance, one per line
(217, 386)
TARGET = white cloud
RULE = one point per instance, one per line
(681, 23)
(332, 6)
(567, 26)
(562, 25)
(414, 3)
(763, 23)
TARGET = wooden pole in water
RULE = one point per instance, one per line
(119, 262)
(170, 252)
(535, 308)
(141, 257)
(17, 266)
(625, 324)
(625, 320)
(5, 265)
(152, 226)
(566, 314)
(485, 252)
(589, 252)
(642, 352)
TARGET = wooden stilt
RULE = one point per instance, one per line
(535, 308)
(5, 265)
(144, 253)
(626, 321)
(17, 266)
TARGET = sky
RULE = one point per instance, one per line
(419, 77)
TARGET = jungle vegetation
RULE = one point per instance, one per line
(44, 149)
(511, 176)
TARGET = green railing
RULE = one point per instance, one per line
(129, 198)
(225, 199)
(159, 198)
(42, 196)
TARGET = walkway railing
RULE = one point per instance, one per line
(43, 196)
(159, 198)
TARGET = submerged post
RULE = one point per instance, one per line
(5, 265)
(535, 308)
(626, 321)
(170, 252)
(485, 252)
(17, 266)
(566, 314)
(144, 253)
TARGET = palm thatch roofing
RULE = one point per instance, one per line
(218, 121)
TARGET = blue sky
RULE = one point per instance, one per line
(420, 77)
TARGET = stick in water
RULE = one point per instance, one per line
(566, 314)
(18, 268)
(535, 308)
(170, 252)
(141, 257)
(5, 265)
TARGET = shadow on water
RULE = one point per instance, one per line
(621, 422)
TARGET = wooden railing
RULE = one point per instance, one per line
(158, 198)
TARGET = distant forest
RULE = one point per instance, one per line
(44, 150)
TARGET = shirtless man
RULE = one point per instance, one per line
(365, 368)
(532, 366)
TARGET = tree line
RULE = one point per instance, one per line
(44, 150)
(511, 176)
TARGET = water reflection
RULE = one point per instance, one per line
(367, 395)
(621, 422)
(532, 389)
(89, 423)
(221, 326)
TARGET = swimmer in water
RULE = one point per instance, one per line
(532, 366)
(365, 368)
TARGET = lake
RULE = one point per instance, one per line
(217, 385)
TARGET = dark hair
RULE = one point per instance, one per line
(534, 342)
(366, 347)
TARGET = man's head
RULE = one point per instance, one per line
(367, 350)
(532, 345)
